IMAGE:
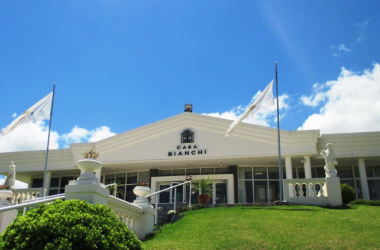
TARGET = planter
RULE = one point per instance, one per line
(88, 166)
(203, 199)
(5, 194)
(141, 191)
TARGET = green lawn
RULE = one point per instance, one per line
(277, 227)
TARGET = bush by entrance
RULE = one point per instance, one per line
(69, 224)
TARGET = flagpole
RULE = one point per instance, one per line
(47, 147)
(278, 133)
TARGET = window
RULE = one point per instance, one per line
(187, 136)
(221, 170)
(165, 173)
(377, 170)
(177, 172)
(65, 181)
(345, 172)
(207, 171)
(37, 183)
(258, 184)
(260, 173)
(369, 171)
(193, 171)
(57, 184)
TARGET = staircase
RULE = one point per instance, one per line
(162, 215)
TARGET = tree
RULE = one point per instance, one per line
(71, 224)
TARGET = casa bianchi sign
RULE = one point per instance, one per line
(184, 150)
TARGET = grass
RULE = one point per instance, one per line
(277, 227)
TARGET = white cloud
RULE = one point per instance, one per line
(33, 136)
(14, 115)
(343, 47)
(362, 29)
(100, 133)
(29, 136)
(337, 50)
(75, 136)
(263, 118)
(352, 103)
(316, 97)
(362, 25)
(78, 134)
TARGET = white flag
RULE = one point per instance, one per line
(265, 100)
(39, 111)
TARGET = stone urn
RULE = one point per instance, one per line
(4, 195)
(141, 192)
(88, 166)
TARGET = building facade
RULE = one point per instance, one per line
(244, 165)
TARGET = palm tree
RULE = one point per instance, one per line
(204, 186)
(119, 192)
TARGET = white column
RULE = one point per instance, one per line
(307, 167)
(363, 179)
(47, 183)
(288, 167)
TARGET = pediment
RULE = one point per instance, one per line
(161, 141)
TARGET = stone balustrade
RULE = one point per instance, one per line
(21, 195)
(126, 211)
(302, 188)
(138, 216)
(313, 191)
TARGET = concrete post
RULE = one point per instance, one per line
(363, 179)
(47, 183)
(6, 217)
(334, 194)
(91, 193)
(288, 167)
(307, 167)
(288, 188)
(145, 223)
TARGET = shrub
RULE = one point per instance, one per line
(374, 203)
(69, 224)
(184, 208)
(348, 193)
(197, 206)
(365, 202)
(359, 202)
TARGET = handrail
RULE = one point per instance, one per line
(175, 193)
(32, 203)
(58, 196)
(163, 190)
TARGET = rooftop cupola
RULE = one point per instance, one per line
(189, 108)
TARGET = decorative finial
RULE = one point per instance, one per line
(92, 154)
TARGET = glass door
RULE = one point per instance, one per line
(220, 196)
(177, 193)
(164, 197)
(261, 191)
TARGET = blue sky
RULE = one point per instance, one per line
(119, 65)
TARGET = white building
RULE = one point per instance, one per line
(244, 165)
